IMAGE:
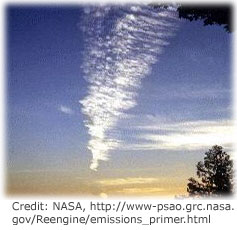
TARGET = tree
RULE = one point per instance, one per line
(215, 173)
(211, 15)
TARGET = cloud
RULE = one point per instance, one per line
(127, 181)
(114, 65)
(132, 185)
(191, 135)
(65, 109)
(141, 191)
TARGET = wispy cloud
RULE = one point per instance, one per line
(65, 109)
(115, 63)
(141, 191)
(127, 181)
(134, 185)
(191, 135)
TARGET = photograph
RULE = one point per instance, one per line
(119, 100)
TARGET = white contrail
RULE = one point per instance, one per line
(121, 45)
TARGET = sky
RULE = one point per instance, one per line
(112, 101)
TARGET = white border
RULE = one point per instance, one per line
(6, 201)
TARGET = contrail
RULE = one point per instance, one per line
(121, 45)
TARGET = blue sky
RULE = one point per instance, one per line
(183, 105)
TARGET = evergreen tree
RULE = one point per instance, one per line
(215, 174)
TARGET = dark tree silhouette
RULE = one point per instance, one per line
(215, 173)
(211, 15)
